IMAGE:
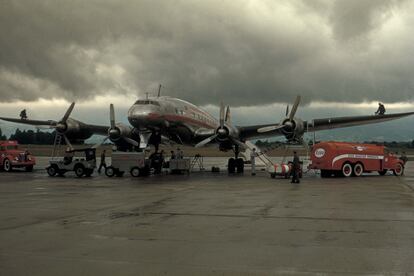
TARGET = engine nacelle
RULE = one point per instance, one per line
(223, 133)
(294, 129)
(119, 131)
(74, 130)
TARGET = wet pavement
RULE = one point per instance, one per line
(205, 223)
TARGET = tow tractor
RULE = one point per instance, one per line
(81, 166)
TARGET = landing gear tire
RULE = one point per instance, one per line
(231, 165)
(79, 171)
(110, 171)
(7, 167)
(29, 168)
(51, 171)
(347, 170)
(239, 165)
(358, 169)
(135, 172)
(399, 170)
(383, 172)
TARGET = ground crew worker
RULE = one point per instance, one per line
(173, 155)
(103, 161)
(179, 154)
(23, 114)
(404, 157)
(295, 168)
(380, 110)
(253, 160)
(67, 159)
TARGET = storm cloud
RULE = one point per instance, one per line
(240, 52)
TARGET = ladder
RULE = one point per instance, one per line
(56, 145)
(197, 160)
(259, 154)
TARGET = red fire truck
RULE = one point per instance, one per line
(351, 159)
(11, 157)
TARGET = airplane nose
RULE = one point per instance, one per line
(141, 116)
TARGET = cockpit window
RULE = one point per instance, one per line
(147, 102)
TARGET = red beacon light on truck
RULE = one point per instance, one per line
(11, 157)
(353, 159)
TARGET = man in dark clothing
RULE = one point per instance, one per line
(103, 162)
(380, 110)
(23, 114)
(404, 157)
(295, 168)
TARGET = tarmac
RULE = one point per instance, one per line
(206, 224)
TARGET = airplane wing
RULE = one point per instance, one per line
(269, 130)
(340, 122)
(93, 129)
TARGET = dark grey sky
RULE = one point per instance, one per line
(240, 52)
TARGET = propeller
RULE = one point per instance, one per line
(61, 126)
(294, 108)
(288, 122)
(114, 132)
(222, 131)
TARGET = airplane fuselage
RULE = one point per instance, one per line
(177, 119)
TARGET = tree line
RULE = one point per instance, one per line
(30, 137)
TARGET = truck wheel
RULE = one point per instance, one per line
(358, 169)
(52, 170)
(79, 170)
(399, 170)
(383, 172)
(7, 165)
(110, 171)
(135, 172)
(347, 170)
(29, 168)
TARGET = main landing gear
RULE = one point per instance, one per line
(235, 164)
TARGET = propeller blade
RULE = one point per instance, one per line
(206, 141)
(131, 141)
(270, 128)
(227, 117)
(100, 143)
(294, 108)
(68, 112)
(221, 115)
(112, 115)
(287, 110)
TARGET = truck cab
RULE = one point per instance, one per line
(12, 157)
